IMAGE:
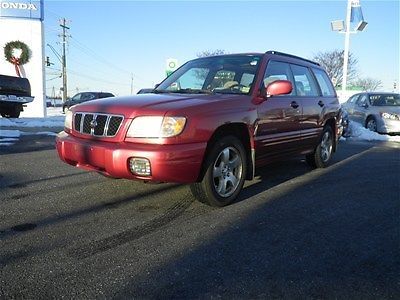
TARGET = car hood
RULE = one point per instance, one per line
(130, 106)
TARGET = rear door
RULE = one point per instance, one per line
(278, 129)
(308, 93)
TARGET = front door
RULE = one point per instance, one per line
(278, 128)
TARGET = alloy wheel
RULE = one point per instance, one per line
(326, 146)
(227, 171)
(371, 125)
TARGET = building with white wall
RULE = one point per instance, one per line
(22, 20)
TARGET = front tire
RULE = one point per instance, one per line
(371, 124)
(12, 112)
(225, 173)
(322, 154)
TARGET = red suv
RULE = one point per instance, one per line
(209, 124)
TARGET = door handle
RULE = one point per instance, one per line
(321, 103)
(294, 104)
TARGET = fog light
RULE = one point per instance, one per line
(140, 166)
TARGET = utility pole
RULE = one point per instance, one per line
(53, 96)
(64, 58)
(346, 47)
(131, 83)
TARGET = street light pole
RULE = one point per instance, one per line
(342, 27)
(346, 47)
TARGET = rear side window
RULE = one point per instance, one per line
(106, 95)
(277, 70)
(304, 82)
(324, 83)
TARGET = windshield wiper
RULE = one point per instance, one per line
(190, 91)
(227, 91)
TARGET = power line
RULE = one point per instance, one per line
(97, 79)
(94, 55)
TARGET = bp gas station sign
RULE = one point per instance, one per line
(172, 65)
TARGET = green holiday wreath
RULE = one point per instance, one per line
(25, 55)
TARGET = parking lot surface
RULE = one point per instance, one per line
(294, 233)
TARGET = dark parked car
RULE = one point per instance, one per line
(210, 124)
(15, 94)
(83, 97)
(379, 112)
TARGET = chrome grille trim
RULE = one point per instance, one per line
(103, 128)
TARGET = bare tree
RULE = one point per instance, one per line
(332, 61)
(211, 52)
(368, 84)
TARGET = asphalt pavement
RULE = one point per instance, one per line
(294, 233)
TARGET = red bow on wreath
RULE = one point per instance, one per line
(16, 62)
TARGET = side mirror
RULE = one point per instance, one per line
(278, 87)
(365, 105)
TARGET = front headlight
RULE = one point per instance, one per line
(390, 116)
(156, 127)
(68, 120)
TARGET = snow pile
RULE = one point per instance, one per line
(9, 137)
(359, 132)
(10, 133)
(56, 121)
(54, 111)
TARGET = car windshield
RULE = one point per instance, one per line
(385, 99)
(231, 74)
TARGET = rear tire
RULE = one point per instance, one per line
(225, 172)
(322, 154)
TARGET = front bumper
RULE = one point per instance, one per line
(388, 126)
(169, 163)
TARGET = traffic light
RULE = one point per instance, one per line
(48, 63)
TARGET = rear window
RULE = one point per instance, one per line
(106, 95)
(384, 99)
(324, 83)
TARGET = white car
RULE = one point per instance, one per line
(379, 112)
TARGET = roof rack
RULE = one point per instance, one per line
(292, 56)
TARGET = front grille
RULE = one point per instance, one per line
(97, 124)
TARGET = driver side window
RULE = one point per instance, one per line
(77, 97)
(362, 101)
(277, 70)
